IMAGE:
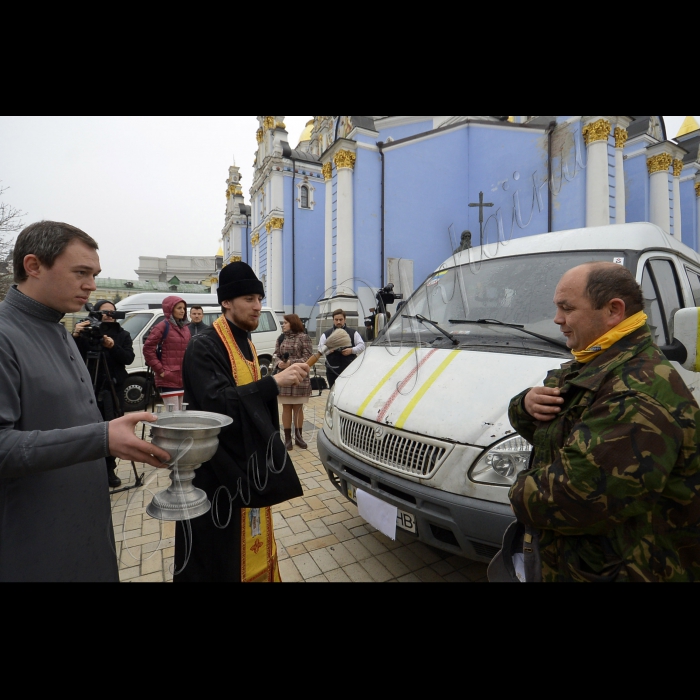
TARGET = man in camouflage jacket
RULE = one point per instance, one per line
(613, 489)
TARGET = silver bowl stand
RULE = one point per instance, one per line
(191, 439)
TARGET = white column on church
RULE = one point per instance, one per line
(596, 132)
(620, 189)
(659, 204)
(345, 242)
(328, 174)
(677, 214)
(275, 263)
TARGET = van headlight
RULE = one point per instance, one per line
(330, 405)
(503, 462)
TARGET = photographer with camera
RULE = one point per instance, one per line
(339, 360)
(107, 350)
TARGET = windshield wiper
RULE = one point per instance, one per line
(427, 321)
(522, 329)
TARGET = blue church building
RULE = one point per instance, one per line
(363, 201)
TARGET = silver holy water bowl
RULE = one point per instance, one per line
(191, 438)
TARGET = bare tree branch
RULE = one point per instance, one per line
(10, 223)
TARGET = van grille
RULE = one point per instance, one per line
(391, 449)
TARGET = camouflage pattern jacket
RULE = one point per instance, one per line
(613, 488)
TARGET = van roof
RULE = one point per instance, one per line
(621, 237)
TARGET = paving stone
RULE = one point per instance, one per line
(476, 571)
(393, 564)
(156, 577)
(338, 576)
(319, 529)
(306, 566)
(455, 577)
(297, 539)
(357, 574)
(324, 560)
(386, 542)
(128, 574)
(376, 570)
(314, 503)
(409, 559)
(149, 526)
(297, 525)
(342, 555)
(318, 579)
(289, 572)
(458, 563)
(355, 522)
(316, 514)
(130, 556)
(358, 532)
(357, 550)
(410, 578)
(296, 549)
(151, 563)
(336, 517)
(427, 575)
(321, 543)
(442, 568)
(424, 553)
(341, 532)
(372, 544)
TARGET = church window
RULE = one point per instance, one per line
(304, 197)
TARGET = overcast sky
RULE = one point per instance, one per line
(138, 185)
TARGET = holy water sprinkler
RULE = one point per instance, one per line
(191, 438)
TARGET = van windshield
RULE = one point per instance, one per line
(517, 290)
(135, 324)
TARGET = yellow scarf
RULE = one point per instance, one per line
(629, 325)
(259, 560)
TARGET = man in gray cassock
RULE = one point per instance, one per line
(55, 518)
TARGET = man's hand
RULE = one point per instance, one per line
(543, 404)
(123, 444)
(108, 342)
(292, 376)
(347, 353)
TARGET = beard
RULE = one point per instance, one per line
(245, 323)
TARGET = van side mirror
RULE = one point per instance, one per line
(686, 328)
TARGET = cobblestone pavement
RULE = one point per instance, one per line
(320, 537)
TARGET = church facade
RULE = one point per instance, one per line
(363, 201)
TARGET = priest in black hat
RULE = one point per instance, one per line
(251, 470)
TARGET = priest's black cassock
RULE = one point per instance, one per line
(251, 463)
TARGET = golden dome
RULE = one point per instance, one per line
(690, 124)
(220, 253)
(306, 134)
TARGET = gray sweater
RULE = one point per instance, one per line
(55, 517)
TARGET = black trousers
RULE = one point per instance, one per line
(336, 364)
(105, 402)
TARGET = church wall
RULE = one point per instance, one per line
(307, 251)
(637, 182)
(510, 167)
(689, 214)
(367, 216)
(404, 131)
(612, 180)
(568, 178)
(262, 259)
(426, 184)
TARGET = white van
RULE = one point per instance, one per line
(140, 323)
(420, 421)
(154, 300)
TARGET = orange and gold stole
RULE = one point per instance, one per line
(259, 562)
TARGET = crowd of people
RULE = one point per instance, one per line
(612, 492)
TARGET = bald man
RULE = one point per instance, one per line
(613, 489)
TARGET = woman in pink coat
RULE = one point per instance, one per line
(164, 351)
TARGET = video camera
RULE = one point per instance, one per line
(94, 331)
(387, 296)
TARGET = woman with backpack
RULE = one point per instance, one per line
(293, 347)
(164, 351)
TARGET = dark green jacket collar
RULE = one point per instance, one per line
(592, 375)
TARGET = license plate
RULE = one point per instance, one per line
(406, 521)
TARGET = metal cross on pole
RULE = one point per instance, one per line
(481, 206)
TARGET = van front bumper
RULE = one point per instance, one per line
(457, 524)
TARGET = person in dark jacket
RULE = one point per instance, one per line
(118, 351)
(164, 351)
(197, 324)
